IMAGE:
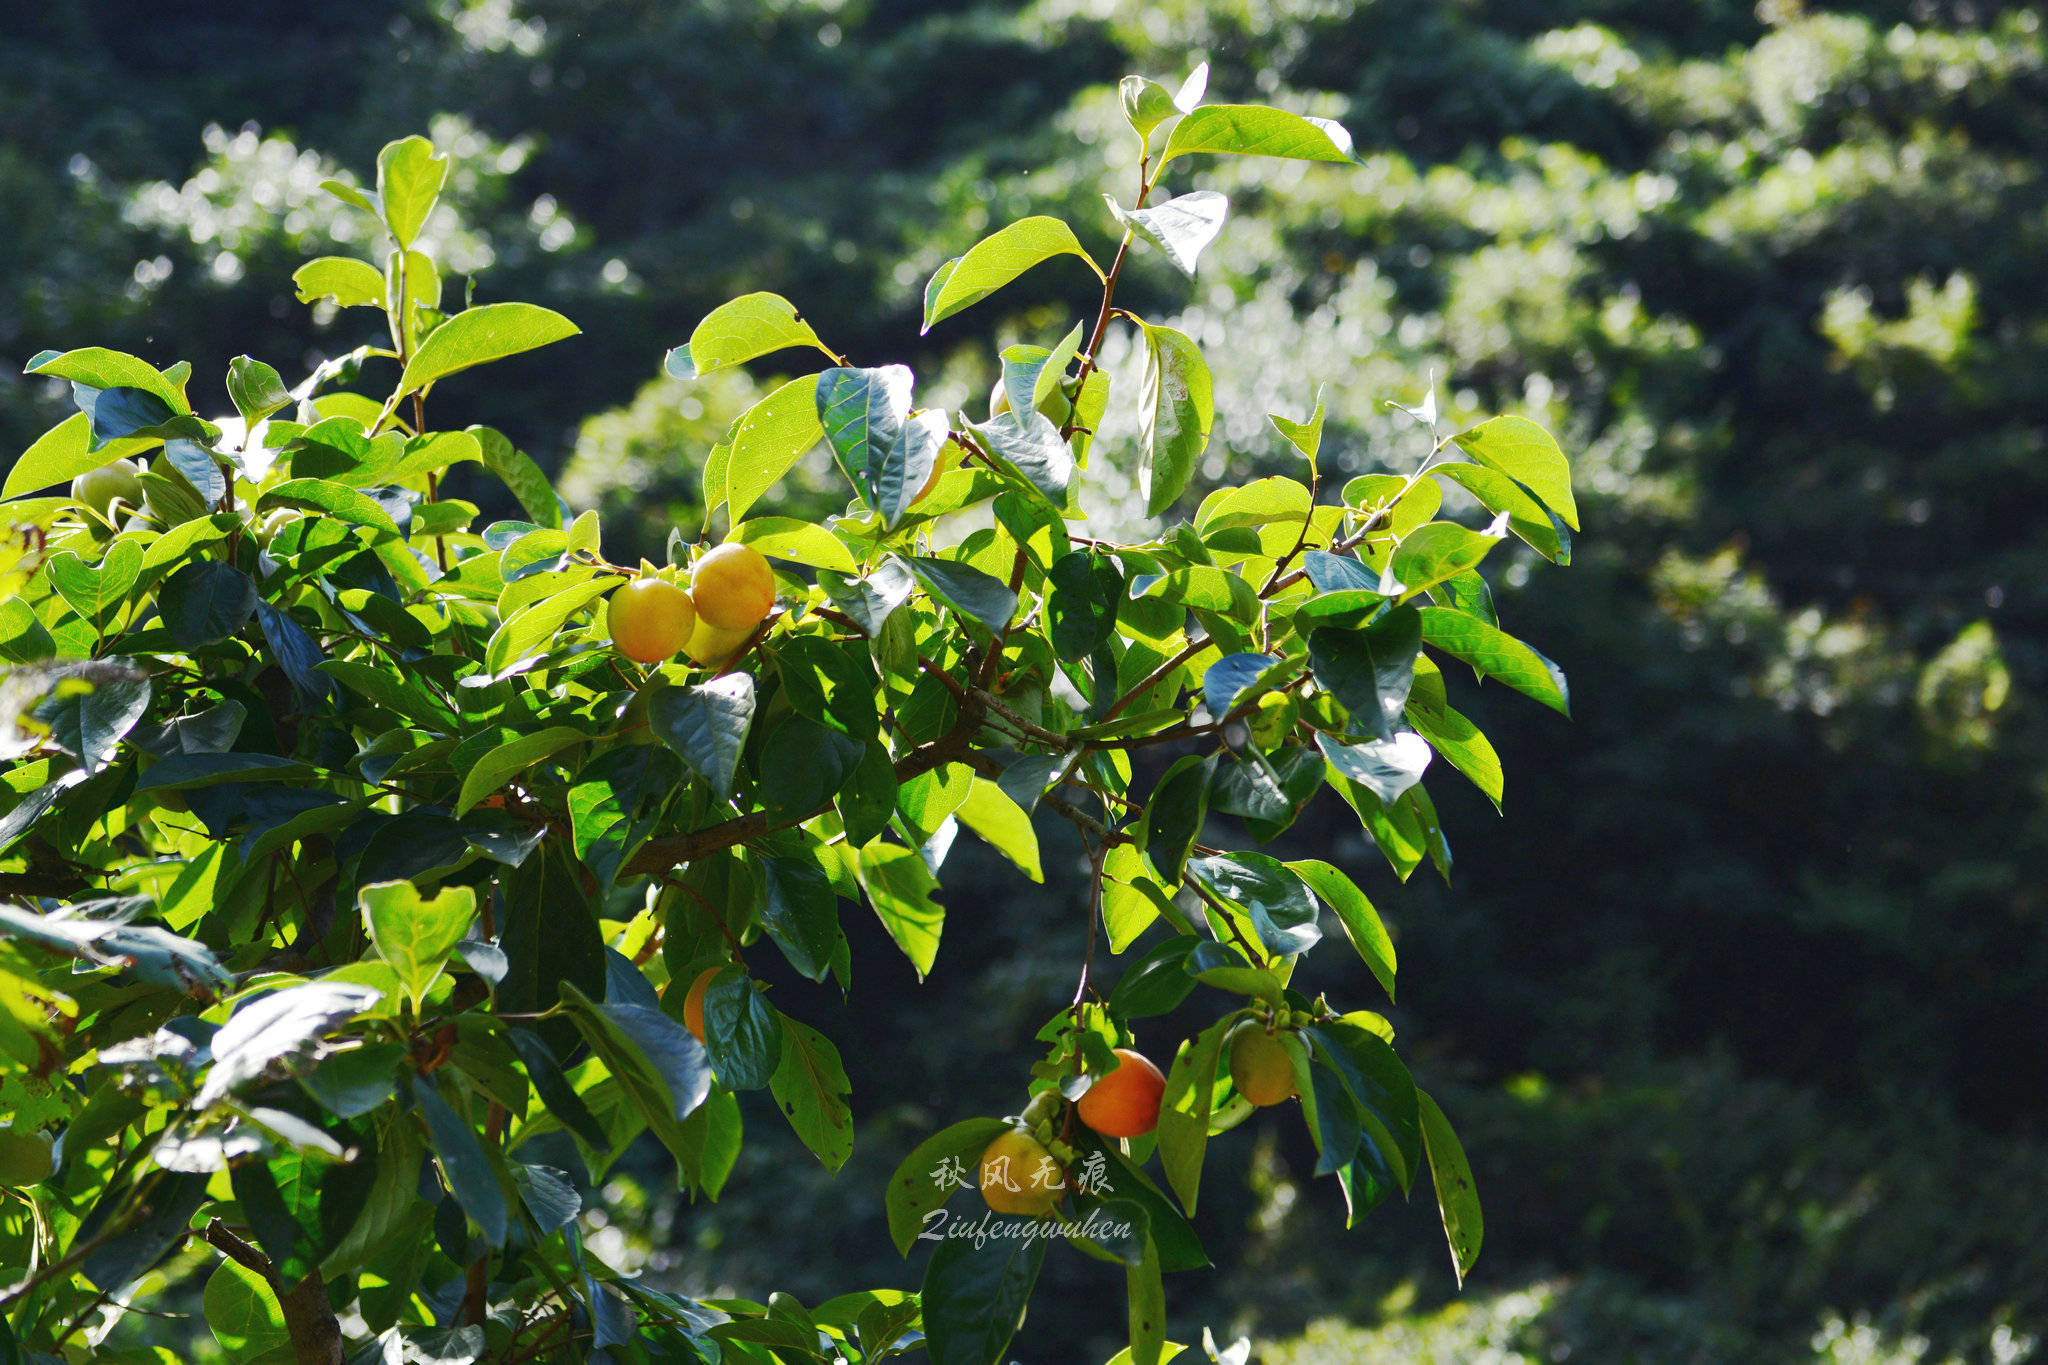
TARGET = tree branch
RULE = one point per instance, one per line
(315, 1335)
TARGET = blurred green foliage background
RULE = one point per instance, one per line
(1739, 1005)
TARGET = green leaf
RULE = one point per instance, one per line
(942, 1163)
(59, 455)
(243, 1313)
(968, 591)
(350, 1084)
(1369, 671)
(478, 336)
(96, 592)
(1179, 1248)
(99, 368)
(1454, 736)
(663, 1069)
(1184, 1109)
(554, 1090)
(831, 684)
(742, 1032)
(349, 282)
(1457, 1198)
(906, 467)
(1086, 591)
(744, 329)
(1157, 982)
(1536, 525)
(1232, 679)
(996, 260)
(799, 542)
(1146, 104)
(1029, 445)
(1180, 228)
(498, 766)
(1176, 410)
(800, 911)
(256, 390)
(1385, 767)
(1280, 905)
(1525, 452)
(900, 889)
(1306, 437)
(413, 933)
(471, 1177)
(765, 444)
(990, 813)
(810, 1088)
(1174, 815)
(535, 626)
(974, 1296)
(862, 413)
(1362, 924)
(1146, 1291)
(409, 179)
(334, 499)
(1263, 502)
(519, 473)
(138, 414)
(92, 709)
(1253, 130)
(1032, 373)
(1434, 552)
(268, 1029)
(1493, 653)
(707, 725)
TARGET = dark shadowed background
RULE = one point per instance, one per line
(1739, 1004)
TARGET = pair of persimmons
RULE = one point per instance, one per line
(1123, 1104)
(731, 591)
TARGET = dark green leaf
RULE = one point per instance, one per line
(863, 414)
(1086, 591)
(276, 1027)
(92, 708)
(468, 1170)
(974, 1296)
(206, 601)
(554, 1090)
(1157, 982)
(707, 724)
(1224, 684)
(742, 1032)
(1174, 815)
(800, 911)
(969, 591)
(1369, 671)
(831, 684)
(1280, 904)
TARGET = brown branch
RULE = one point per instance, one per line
(315, 1334)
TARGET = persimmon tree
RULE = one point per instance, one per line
(351, 845)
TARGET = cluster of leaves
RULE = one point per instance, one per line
(351, 858)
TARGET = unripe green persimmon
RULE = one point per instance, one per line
(97, 488)
(1260, 1064)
